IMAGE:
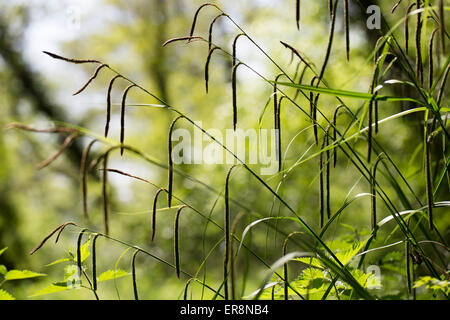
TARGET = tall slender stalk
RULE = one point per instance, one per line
(133, 273)
(406, 27)
(96, 72)
(428, 177)
(233, 48)
(105, 193)
(234, 93)
(83, 168)
(80, 236)
(347, 29)
(122, 117)
(232, 261)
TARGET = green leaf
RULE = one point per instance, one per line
(5, 295)
(112, 274)
(3, 269)
(348, 94)
(313, 262)
(347, 251)
(433, 284)
(53, 288)
(70, 272)
(84, 250)
(3, 250)
(22, 274)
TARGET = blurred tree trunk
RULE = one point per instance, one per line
(157, 64)
(26, 84)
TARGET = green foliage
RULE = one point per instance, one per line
(3, 250)
(112, 274)
(72, 279)
(84, 251)
(376, 110)
(21, 274)
(5, 295)
(316, 282)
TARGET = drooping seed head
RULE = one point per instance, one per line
(62, 226)
(122, 117)
(83, 169)
(105, 193)
(429, 181)
(170, 166)
(297, 14)
(395, 6)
